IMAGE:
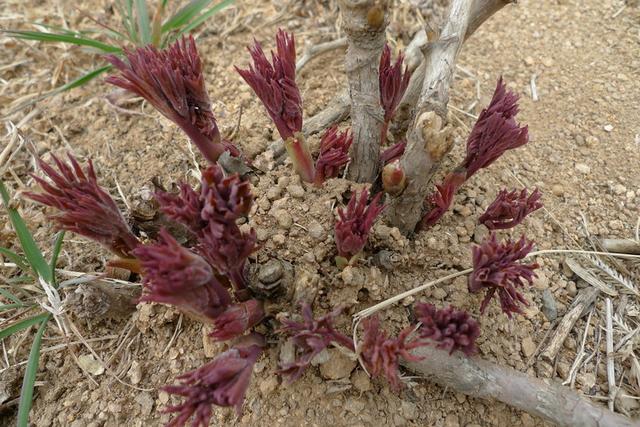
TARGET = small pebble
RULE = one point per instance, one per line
(439, 293)
(338, 366)
(145, 401)
(608, 128)
(361, 381)
(283, 181)
(592, 140)
(480, 233)
(135, 372)
(466, 211)
(557, 190)
(452, 421)
(296, 191)
(541, 282)
(284, 218)
(528, 347)
(268, 385)
(316, 231)
(571, 289)
(549, 306)
(88, 363)
(271, 271)
(616, 224)
(619, 189)
(582, 168)
(563, 369)
(273, 193)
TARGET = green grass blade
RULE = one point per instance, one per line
(126, 13)
(63, 38)
(206, 15)
(20, 280)
(4, 307)
(57, 247)
(29, 380)
(84, 79)
(144, 22)
(18, 260)
(5, 293)
(23, 324)
(184, 15)
(75, 83)
(58, 29)
(31, 250)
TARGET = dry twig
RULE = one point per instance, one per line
(318, 49)
(579, 308)
(482, 379)
(626, 246)
(611, 367)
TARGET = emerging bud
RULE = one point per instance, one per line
(275, 84)
(310, 337)
(355, 222)
(393, 153)
(394, 180)
(495, 268)
(184, 207)
(440, 201)
(222, 382)
(334, 154)
(225, 199)
(495, 132)
(175, 276)
(171, 80)
(237, 319)
(510, 209)
(449, 328)
(227, 248)
(381, 355)
(84, 207)
(393, 82)
(219, 199)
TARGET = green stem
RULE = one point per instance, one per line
(383, 133)
(301, 157)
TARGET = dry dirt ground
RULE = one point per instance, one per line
(584, 156)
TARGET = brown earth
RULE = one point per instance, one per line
(584, 156)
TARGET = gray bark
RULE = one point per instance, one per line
(480, 12)
(482, 379)
(364, 23)
(428, 142)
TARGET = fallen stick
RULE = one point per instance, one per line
(579, 308)
(621, 246)
(611, 366)
(482, 379)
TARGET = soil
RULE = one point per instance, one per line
(584, 156)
